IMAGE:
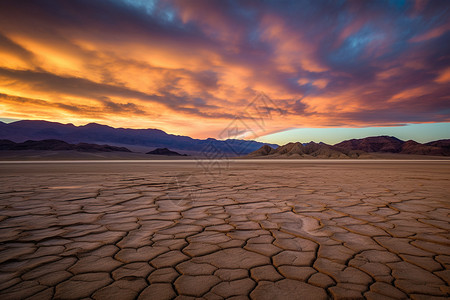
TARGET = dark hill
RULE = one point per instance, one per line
(445, 144)
(165, 151)
(57, 145)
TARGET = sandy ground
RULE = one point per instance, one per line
(238, 230)
(46, 155)
(42, 155)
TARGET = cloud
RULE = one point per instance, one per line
(80, 87)
(444, 77)
(352, 63)
(7, 46)
(81, 110)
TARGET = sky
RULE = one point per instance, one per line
(268, 70)
(422, 133)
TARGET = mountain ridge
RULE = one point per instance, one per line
(390, 144)
(308, 150)
(150, 139)
(147, 139)
(58, 145)
(355, 148)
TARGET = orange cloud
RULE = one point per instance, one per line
(293, 49)
(431, 34)
(410, 93)
(444, 77)
(192, 68)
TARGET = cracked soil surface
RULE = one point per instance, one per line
(303, 230)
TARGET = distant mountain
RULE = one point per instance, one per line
(356, 148)
(390, 144)
(309, 150)
(445, 144)
(373, 144)
(264, 150)
(57, 145)
(21, 131)
(413, 147)
(165, 151)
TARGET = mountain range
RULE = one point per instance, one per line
(44, 135)
(355, 148)
(390, 144)
(139, 140)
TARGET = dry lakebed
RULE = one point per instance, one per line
(225, 230)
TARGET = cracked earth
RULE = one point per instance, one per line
(253, 230)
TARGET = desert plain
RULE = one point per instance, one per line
(225, 230)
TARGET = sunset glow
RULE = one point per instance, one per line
(191, 67)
